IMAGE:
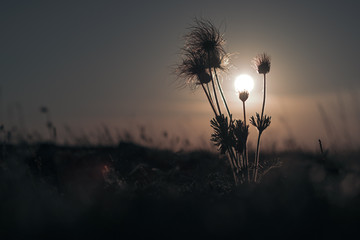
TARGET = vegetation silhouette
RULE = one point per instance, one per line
(203, 57)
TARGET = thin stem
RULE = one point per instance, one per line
(258, 142)
(209, 99)
(233, 158)
(244, 113)
(222, 93)
(209, 92)
(213, 85)
(236, 159)
(257, 157)
(235, 164)
(263, 106)
(246, 159)
(232, 168)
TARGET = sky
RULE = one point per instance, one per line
(109, 64)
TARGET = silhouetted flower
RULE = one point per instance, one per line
(243, 95)
(193, 69)
(206, 39)
(262, 63)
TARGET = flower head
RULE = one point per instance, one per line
(193, 69)
(243, 95)
(262, 63)
(206, 39)
(219, 62)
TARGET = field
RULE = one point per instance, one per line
(132, 191)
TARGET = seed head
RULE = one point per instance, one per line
(262, 63)
(206, 38)
(193, 69)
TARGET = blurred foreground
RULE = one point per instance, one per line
(134, 191)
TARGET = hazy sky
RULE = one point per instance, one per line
(110, 62)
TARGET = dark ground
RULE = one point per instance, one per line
(130, 191)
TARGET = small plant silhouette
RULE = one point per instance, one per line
(262, 66)
(49, 125)
(203, 57)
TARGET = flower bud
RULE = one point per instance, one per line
(262, 63)
(243, 95)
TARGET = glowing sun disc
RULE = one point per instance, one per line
(244, 82)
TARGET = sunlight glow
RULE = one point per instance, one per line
(244, 82)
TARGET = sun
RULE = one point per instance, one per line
(244, 82)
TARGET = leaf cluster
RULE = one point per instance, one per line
(229, 134)
(222, 136)
(241, 133)
(260, 123)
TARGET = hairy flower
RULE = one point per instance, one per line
(262, 63)
(193, 69)
(260, 124)
(244, 95)
(206, 39)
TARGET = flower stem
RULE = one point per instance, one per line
(222, 94)
(209, 92)
(257, 158)
(213, 85)
(263, 106)
(246, 159)
(234, 165)
(258, 142)
(209, 99)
